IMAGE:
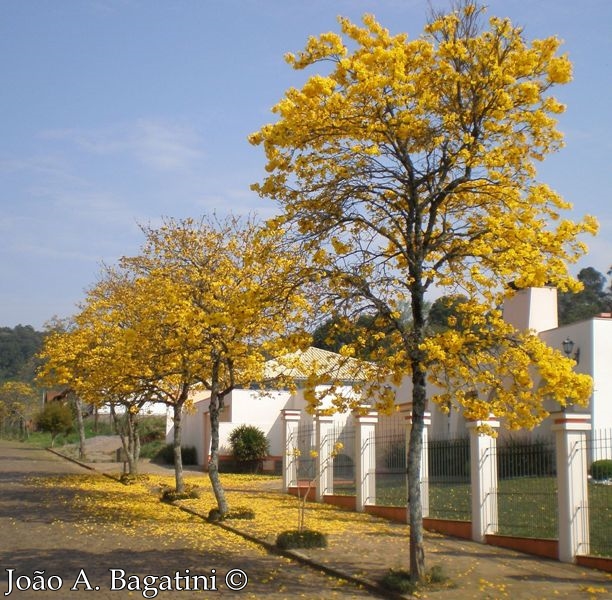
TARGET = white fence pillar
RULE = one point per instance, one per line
(365, 459)
(570, 440)
(291, 418)
(324, 467)
(424, 461)
(483, 469)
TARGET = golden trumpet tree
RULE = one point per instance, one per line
(203, 306)
(147, 344)
(410, 164)
(92, 357)
(228, 298)
(18, 404)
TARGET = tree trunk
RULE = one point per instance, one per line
(415, 452)
(176, 444)
(415, 442)
(120, 430)
(133, 449)
(78, 407)
(137, 443)
(213, 465)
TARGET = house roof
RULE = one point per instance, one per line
(315, 361)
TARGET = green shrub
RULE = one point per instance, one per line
(189, 455)
(152, 429)
(151, 449)
(398, 580)
(436, 575)
(130, 478)
(249, 446)
(55, 418)
(170, 495)
(601, 470)
(307, 538)
(394, 455)
(241, 512)
(214, 514)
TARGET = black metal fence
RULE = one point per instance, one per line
(527, 491)
(449, 479)
(343, 465)
(599, 451)
(527, 488)
(390, 440)
(306, 469)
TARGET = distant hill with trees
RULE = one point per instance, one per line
(595, 298)
(18, 349)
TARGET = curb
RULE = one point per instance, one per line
(73, 460)
(367, 584)
(76, 461)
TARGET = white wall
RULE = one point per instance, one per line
(602, 374)
(581, 333)
(532, 308)
(243, 407)
(250, 407)
(443, 426)
(192, 425)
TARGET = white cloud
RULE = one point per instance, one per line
(157, 144)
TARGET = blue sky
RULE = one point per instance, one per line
(116, 113)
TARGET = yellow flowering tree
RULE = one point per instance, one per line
(410, 164)
(231, 299)
(92, 357)
(202, 307)
(18, 403)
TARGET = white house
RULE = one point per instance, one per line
(532, 308)
(242, 407)
(260, 408)
(588, 342)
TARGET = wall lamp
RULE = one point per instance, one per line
(568, 347)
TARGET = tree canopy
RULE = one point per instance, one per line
(19, 403)
(202, 307)
(412, 163)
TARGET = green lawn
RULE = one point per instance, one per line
(600, 517)
(527, 506)
(152, 434)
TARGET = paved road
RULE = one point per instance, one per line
(37, 534)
